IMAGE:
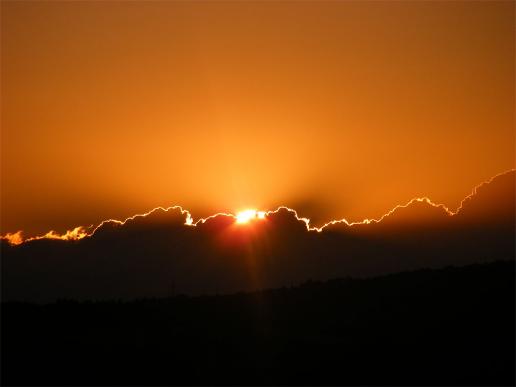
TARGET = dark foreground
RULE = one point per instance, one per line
(429, 327)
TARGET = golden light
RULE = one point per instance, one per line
(246, 216)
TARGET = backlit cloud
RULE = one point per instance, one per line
(246, 216)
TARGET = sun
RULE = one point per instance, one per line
(246, 216)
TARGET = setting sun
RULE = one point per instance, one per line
(248, 185)
(246, 216)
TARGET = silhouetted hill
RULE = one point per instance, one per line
(453, 326)
(149, 255)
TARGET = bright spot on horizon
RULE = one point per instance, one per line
(246, 216)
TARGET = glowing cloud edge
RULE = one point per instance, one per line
(81, 232)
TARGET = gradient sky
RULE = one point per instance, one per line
(337, 109)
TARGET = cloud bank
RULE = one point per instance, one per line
(165, 252)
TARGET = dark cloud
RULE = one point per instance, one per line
(158, 255)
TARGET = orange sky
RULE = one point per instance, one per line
(336, 109)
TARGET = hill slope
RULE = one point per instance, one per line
(453, 326)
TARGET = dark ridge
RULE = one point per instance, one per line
(452, 326)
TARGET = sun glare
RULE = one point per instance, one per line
(247, 215)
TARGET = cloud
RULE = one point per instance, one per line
(489, 207)
(147, 255)
(15, 238)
